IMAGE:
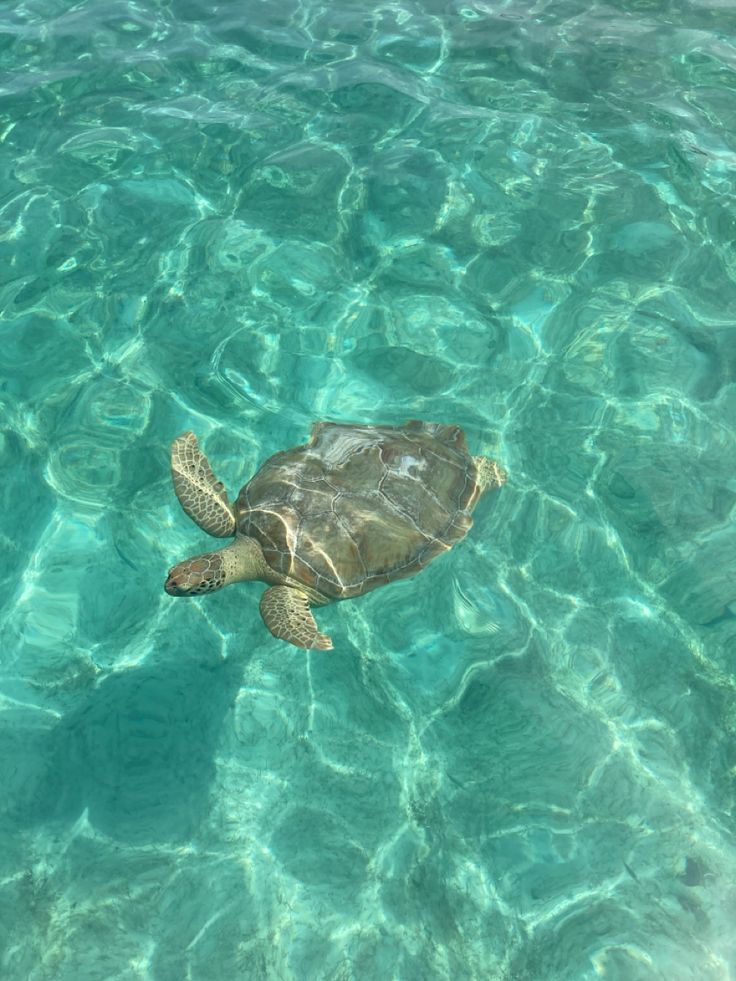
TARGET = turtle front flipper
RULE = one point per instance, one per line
(287, 615)
(200, 493)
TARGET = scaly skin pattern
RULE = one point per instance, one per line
(489, 474)
(200, 493)
(242, 561)
(201, 574)
(286, 613)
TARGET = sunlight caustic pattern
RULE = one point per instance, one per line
(515, 217)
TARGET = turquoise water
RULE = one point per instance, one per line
(238, 218)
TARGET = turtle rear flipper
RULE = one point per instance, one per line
(286, 613)
(200, 493)
(489, 474)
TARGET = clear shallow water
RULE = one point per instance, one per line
(515, 217)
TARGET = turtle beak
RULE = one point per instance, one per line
(173, 585)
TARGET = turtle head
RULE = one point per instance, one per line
(243, 560)
(201, 574)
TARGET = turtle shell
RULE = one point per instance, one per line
(361, 506)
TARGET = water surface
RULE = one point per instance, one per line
(238, 218)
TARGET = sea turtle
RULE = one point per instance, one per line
(355, 508)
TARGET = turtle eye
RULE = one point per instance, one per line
(210, 579)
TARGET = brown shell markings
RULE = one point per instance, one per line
(361, 506)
